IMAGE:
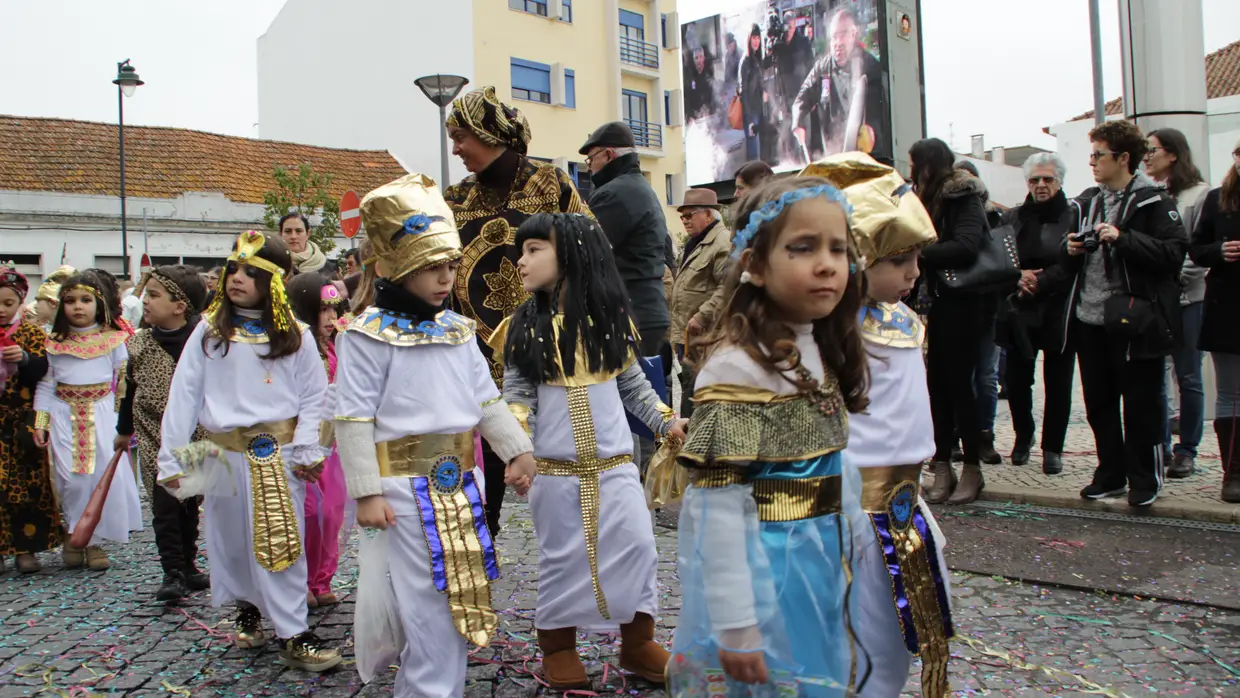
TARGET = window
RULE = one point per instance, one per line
(534, 7)
(27, 265)
(646, 134)
(531, 81)
(667, 107)
(670, 191)
(634, 104)
(632, 25)
(566, 10)
(663, 26)
(203, 263)
(161, 261)
(570, 89)
(580, 173)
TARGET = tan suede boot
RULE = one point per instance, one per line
(639, 653)
(562, 665)
(944, 483)
(73, 557)
(971, 484)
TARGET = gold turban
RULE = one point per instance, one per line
(49, 290)
(410, 226)
(888, 218)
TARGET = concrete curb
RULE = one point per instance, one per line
(1220, 512)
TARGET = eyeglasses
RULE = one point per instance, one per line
(686, 215)
(591, 156)
(1150, 153)
(1034, 181)
(1099, 154)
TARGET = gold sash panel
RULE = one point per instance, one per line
(277, 539)
(417, 456)
(81, 400)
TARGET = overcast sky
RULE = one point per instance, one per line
(1003, 68)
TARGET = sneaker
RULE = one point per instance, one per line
(1142, 498)
(249, 633)
(308, 653)
(197, 580)
(174, 587)
(1093, 491)
(1182, 466)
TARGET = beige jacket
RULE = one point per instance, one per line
(700, 277)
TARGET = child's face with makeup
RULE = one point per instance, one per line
(806, 270)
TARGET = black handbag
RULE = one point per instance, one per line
(997, 267)
(1127, 316)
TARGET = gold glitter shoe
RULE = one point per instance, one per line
(249, 633)
(307, 652)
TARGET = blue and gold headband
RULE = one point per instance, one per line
(772, 209)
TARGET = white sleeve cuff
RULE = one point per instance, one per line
(355, 442)
(504, 432)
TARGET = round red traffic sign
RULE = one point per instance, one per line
(350, 214)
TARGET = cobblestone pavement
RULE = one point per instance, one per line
(1196, 497)
(77, 634)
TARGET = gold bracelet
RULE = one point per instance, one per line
(42, 419)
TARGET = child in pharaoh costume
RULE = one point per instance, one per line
(75, 408)
(411, 388)
(570, 373)
(902, 582)
(765, 527)
(250, 375)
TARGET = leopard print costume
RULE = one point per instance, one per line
(29, 516)
(151, 368)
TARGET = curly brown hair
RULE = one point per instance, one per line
(1122, 137)
(747, 320)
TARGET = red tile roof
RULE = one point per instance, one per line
(1222, 79)
(81, 157)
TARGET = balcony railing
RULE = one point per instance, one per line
(638, 52)
(646, 134)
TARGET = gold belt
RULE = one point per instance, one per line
(794, 500)
(81, 400)
(568, 468)
(417, 456)
(277, 539)
(878, 484)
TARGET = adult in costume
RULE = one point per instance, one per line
(902, 601)
(29, 519)
(503, 190)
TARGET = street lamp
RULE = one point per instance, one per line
(127, 82)
(442, 89)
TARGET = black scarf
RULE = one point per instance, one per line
(694, 241)
(393, 297)
(500, 174)
(173, 341)
(1047, 211)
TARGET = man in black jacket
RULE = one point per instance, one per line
(632, 217)
(1123, 256)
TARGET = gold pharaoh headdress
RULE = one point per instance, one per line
(49, 290)
(410, 226)
(249, 244)
(887, 216)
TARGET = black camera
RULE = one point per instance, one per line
(1089, 238)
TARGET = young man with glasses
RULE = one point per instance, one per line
(1124, 249)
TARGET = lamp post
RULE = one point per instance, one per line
(127, 83)
(442, 89)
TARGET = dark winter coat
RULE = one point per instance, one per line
(1219, 330)
(959, 215)
(1147, 255)
(1040, 229)
(631, 215)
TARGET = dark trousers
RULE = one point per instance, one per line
(1057, 373)
(176, 531)
(955, 329)
(493, 467)
(1130, 448)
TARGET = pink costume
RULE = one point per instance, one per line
(325, 505)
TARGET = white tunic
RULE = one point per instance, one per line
(223, 392)
(122, 511)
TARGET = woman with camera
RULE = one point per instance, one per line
(1216, 246)
(1125, 250)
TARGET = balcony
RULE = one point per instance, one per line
(639, 53)
(646, 134)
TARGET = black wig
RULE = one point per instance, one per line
(104, 316)
(596, 306)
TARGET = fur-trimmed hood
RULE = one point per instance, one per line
(961, 184)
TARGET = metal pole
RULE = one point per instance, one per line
(1095, 44)
(120, 102)
(443, 146)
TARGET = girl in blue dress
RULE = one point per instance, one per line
(764, 529)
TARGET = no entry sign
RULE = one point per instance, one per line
(350, 214)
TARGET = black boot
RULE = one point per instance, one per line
(1228, 431)
(174, 587)
(986, 449)
(1052, 463)
(1021, 451)
(196, 579)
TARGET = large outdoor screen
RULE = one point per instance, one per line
(783, 81)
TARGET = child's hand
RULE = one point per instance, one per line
(678, 429)
(11, 354)
(375, 512)
(172, 484)
(746, 667)
(520, 473)
(121, 442)
(309, 474)
(40, 438)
